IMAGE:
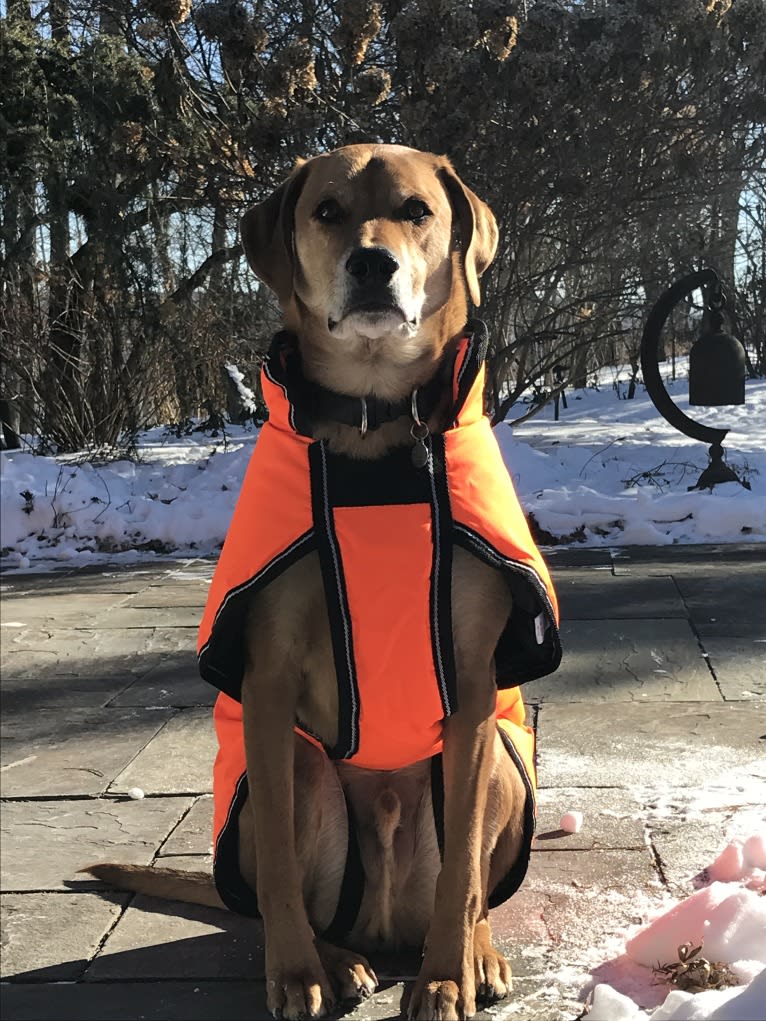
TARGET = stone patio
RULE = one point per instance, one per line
(663, 686)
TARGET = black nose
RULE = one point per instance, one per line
(368, 264)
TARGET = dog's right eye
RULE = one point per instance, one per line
(329, 211)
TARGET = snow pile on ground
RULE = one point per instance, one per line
(727, 922)
(612, 472)
(609, 472)
(178, 498)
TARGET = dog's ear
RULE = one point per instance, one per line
(267, 231)
(477, 227)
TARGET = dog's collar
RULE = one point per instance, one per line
(311, 403)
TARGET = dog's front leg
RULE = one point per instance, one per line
(296, 984)
(446, 986)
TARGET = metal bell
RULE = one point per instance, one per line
(717, 367)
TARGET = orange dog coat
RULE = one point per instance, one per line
(384, 532)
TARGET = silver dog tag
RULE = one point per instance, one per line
(420, 454)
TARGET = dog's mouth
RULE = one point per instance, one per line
(372, 312)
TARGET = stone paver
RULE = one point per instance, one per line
(611, 820)
(630, 732)
(166, 940)
(194, 833)
(627, 660)
(31, 653)
(739, 665)
(51, 937)
(179, 594)
(186, 862)
(648, 743)
(735, 610)
(22, 695)
(174, 682)
(46, 842)
(599, 595)
(130, 1001)
(178, 761)
(73, 752)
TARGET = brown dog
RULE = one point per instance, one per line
(373, 252)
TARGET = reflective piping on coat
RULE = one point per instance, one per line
(270, 376)
(336, 597)
(493, 555)
(333, 543)
(441, 579)
(289, 551)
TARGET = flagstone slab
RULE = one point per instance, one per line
(87, 652)
(194, 833)
(129, 1001)
(152, 616)
(651, 743)
(739, 665)
(46, 842)
(72, 752)
(186, 862)
(599, 595)
(572, 556)
(53, 936)
(178, 761)
(685, 847)
(693, 559)
(169, 940)
(31, 694)
(174, 592)
(37, 611)
(572, 901)
(611, 820)
(230, 1001)
(733, 610)
(627, 660)
(106, 580)
(175, 681)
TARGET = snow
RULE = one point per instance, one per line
(727, 919)
(571, 822)
(735, 1004)
(246, 395)
(611, 472)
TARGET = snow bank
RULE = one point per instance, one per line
(728, 920)
(610, 473)
(735, 1004)
(731, 923)
(177, 499)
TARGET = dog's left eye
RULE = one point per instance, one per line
(414, 210)
(328, 211)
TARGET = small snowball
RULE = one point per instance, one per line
(135, 793)
(754, 851)
(571, 822)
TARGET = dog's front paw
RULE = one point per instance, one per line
(440, 1000)
(493, 972)
(299, 990)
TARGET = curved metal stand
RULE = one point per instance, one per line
(716, 471)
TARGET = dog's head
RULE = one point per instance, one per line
(372, 251)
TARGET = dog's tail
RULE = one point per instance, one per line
(168, 884)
